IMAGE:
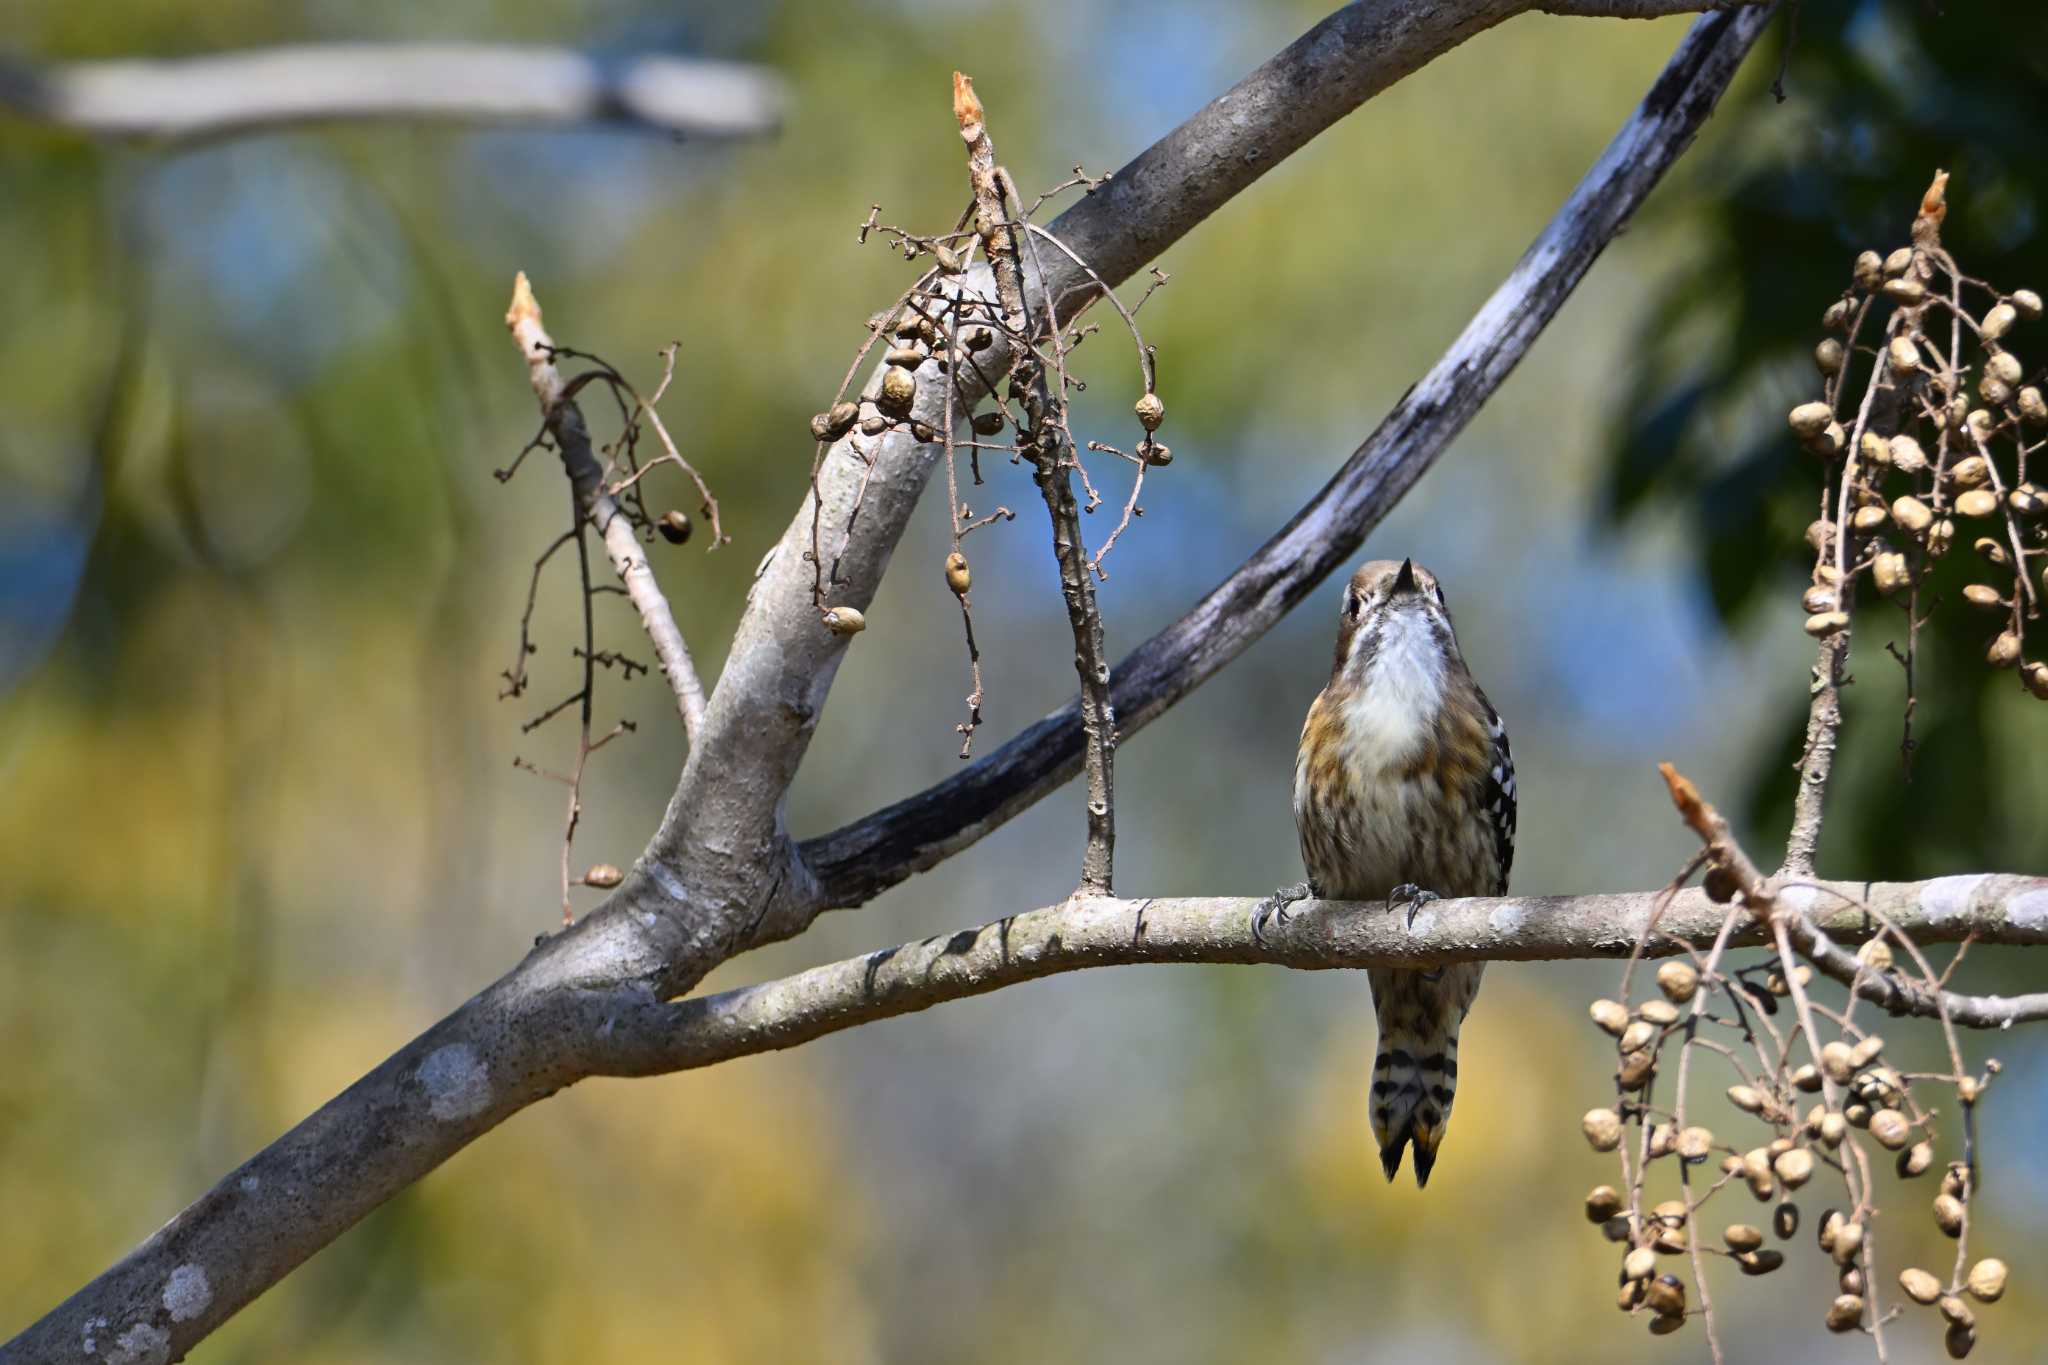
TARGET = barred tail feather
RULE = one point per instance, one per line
(1415, 1072)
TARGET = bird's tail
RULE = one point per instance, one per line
(1415, 1074)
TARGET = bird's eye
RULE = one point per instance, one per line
(1353, 604)
(1440, 596)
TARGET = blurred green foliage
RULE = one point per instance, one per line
(261, 823)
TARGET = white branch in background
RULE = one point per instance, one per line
(621, 546)
(242, 92)
(1101, 932)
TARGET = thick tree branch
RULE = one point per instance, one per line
(595, 502)
(1100, 932)
(855, 863)
(244, 92)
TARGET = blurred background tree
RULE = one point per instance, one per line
(257, 584)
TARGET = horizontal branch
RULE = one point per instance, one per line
(258, 89)
(1082, 933)
(855, 863)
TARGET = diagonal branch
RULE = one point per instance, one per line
(857, 862)
(1100, 932)
(595, 502)
(251, 91)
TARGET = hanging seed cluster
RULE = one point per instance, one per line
(954, 372)
(1805, 1132)
(1927, 422)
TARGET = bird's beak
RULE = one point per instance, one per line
(1405, 580)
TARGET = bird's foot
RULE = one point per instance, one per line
(1411, 896)
(1274, 909)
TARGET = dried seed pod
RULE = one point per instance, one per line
(1912, 514)
(1967, 1088)
(2035, 676)
(1954, 1178)
(2028, 501)
(1761, 1262)
(988, 423)
(1869, 270)
(924, 432)
(1660, 1140)
(1873, 449)
(1721, 884)
(980, 339)
(1948, 1214)
(1779, 1146)
(958, 577)
(1845, 1314)
(912, 322)
(1609, 1015)
(1978, 502)
(1639, 1264)
(1822, 624)
(2004, 366)
(1908, 292)
(2027, 303)
(1678, 980)
(1820, 536)
(835, 422)
(1602, 1203)
(1956, 1311)
(1637, 1036)
(1983, 596)
(2033, 407)
(603, 876)
(1809, 420)
(1939, 537)
(906, 357)
(1958, 415)
(1833, 1128)
(1775, 981)
(1899, 261)
(674, 527)
(1994, 391)
(1742, 1237)
(1827, 356)
(1669, 1227)
(1973, 471)
(1915, 1160)
(1630, 1296)
(1747, 1098)
(1868, 519)
(1992, 550)
(1731, 1165)
(1602, 1128)
(1829, 442)
(1151, 412)
(1889, 572)
(1987, 1280)
(1905, 355)
(1664, 1324)
(2004, 651)
(845, 621)
(1794, 1168)
(1907, 456)
(899, 390)
(1814, 1118)
(949, 260)
(874, 425)
(1785, 1219)
(1998, 321)
(1866, 1051)
(1666, 1296)
(1889, 1127)
(1695, 1143)
(1807, 1078)
(1637, 1071)
(1858, 1115)
(1831, 1222)
(1958, 1340)
(1662, 1013)
(1617, 1229)
(1920, 1286)
(1836, 1060)
(1156, 453)
(1848, 1241)
(1851, 1280)
(1836, 318)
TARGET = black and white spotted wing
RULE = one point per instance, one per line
(1497, 799)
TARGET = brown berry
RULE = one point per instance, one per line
(1151, 411)
(1920, 1286)
(1678, 981)
(1609, 1015)
(1742, 1237)
(1987, 1280)
(603, 876)
(1915, 1160)
(1602, 1203)
(674, 527)
(1948, 1214)
(1602, 1128)
(1845, 1314)
(2004, 651)
(845, 620)
(1809, 420)
(899, 390)
(958, 578)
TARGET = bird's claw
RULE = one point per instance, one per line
(1413, 897)
(1274, 908)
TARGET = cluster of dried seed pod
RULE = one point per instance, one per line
(1799, 1144)
(1926, 426)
